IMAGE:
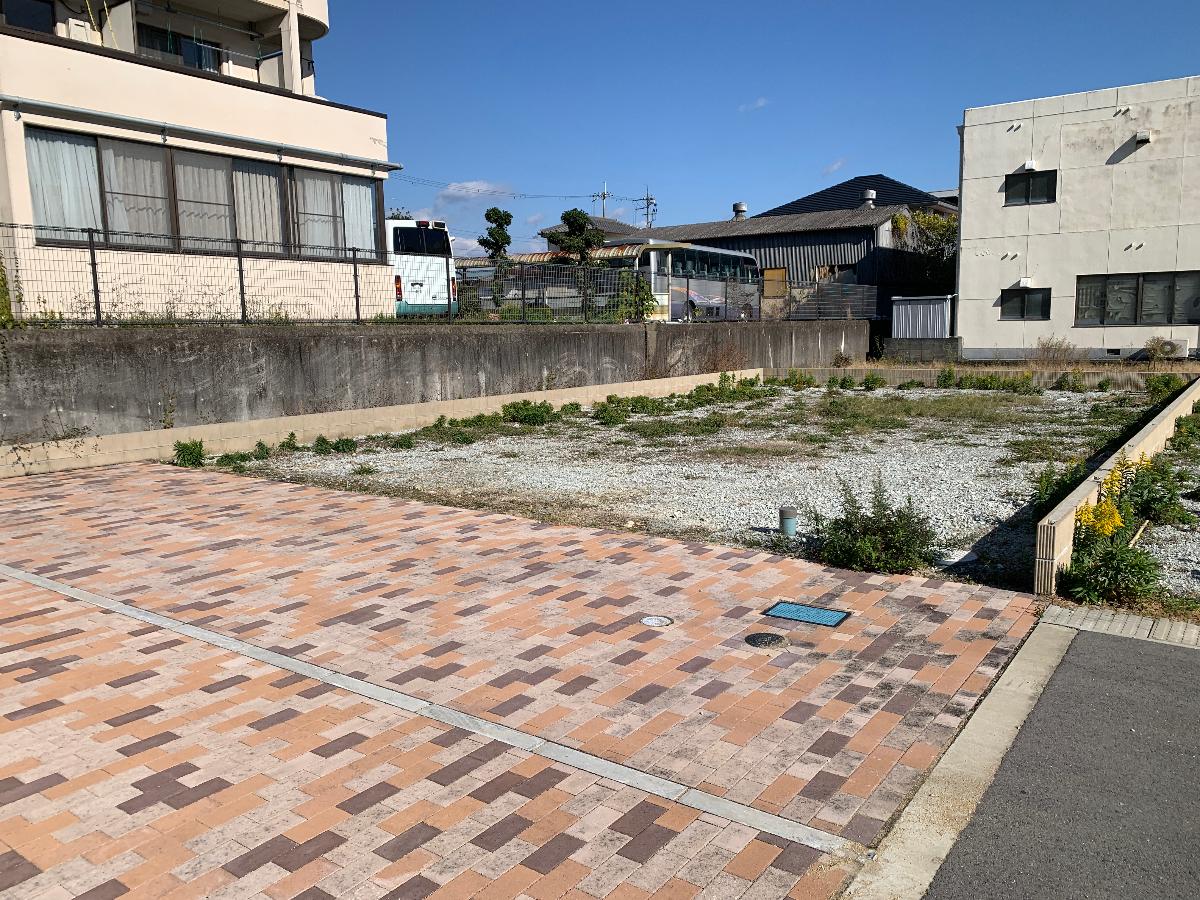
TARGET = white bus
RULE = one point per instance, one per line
(690, 282)
(424, 271)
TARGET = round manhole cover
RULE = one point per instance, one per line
(658, 621)
(766, 639)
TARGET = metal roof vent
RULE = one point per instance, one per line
(739, 211)
(868, 198)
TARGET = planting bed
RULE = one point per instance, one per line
(720, 468)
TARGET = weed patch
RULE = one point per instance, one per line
(189, 454)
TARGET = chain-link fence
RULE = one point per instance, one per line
(58, 275)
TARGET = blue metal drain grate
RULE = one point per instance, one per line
(813, 615)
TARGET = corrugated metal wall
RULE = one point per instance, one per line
(802, 253)
(920, 317)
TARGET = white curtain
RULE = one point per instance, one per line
(318, 213)
(205, 201)
(358, 203)
(135, 193)
(259, 213)
(65, 182)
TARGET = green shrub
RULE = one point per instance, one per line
(649, 406)
(261, 451)
(946, 378)
(322, 445)
(833, 383)
(403, 442)
(873, 381)
(1154, 493)
(611, 411)
(1069, 381)
(846, 383)
(1111, 572)
(233, 460)
(289, 443)
(992, 381)
(363, 469)
(910, 385)
(663, 428)
(881, 537)
(526, 412)
(344, 445)
(1163, 385)
(189, 454)
(798, 380)
(1104, 385)
(570, 409)
(1051, 485)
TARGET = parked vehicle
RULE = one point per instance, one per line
(420, 254)
(689, 282)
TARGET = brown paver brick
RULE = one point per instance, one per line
(535, 625)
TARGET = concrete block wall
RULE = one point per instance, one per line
(228, 437)
(64, 383)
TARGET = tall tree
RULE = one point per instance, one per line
(497, 240)
(580, 238)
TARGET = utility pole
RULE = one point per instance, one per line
(649, 206)
(602, 197)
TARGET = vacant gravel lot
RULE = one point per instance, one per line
(965, 458)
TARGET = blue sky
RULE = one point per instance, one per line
(706, 102)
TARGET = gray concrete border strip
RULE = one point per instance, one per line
(626, 775)
(910, 856)
(1109, 621)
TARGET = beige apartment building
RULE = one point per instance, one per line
(170, 159)
(1080, 219)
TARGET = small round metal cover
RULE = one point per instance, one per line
(767, 640)
(658, 621)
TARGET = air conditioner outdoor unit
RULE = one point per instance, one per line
(1176, 348)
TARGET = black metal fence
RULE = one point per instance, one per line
(72, 276)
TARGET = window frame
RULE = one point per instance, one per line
(1139, 300)
(1025, 180)
(175, 47)
(1025, 294)
(290, 246)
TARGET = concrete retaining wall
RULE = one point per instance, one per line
(226, 437)
(1056, 532)
(59, 383)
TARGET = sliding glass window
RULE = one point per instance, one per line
(146, 195)
(1151, 298)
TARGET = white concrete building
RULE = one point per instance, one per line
(1080, 219)
(185, 134)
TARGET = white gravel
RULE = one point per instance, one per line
(960, 483)
(1178, 549)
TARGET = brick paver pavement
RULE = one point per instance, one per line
(539, 627)
(136, 764)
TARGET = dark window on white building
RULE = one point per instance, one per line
(1030, 188)
(34, 15)
(1025, 303)
(1150, 298)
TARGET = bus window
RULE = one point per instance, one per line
(437, 241)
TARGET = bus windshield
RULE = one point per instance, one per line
(421, 241)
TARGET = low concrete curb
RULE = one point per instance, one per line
(911, 854)
(1108, 621)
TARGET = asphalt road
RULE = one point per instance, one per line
(1099, 796)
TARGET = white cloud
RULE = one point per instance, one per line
(759, 103)
(465, 192)
(834, 166)
(465, 246)
(619, 213)
(535, 219)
